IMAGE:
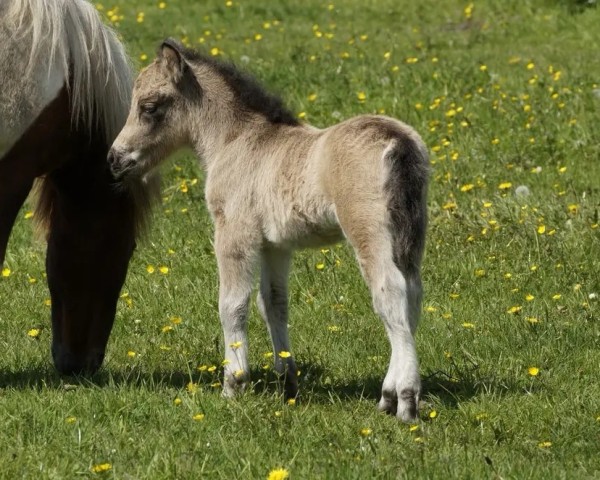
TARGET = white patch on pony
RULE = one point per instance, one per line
(70, 36)
(51, 83)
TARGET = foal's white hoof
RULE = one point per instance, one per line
(404, 405)
(234, 385)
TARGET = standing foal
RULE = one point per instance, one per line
(274, 185)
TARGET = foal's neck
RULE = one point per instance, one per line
(219, 129)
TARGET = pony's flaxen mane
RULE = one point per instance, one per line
(95, 65)
(97, 72)
(248, 92)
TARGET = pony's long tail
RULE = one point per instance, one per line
(407, 187)
(96, 69)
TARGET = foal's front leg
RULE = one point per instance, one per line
(236, 257)
(273, 306)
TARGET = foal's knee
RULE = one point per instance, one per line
(233, 307)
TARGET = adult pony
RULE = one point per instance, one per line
(273, 185)
(66, 86)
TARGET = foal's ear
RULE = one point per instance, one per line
(171, 58)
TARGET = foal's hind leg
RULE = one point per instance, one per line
(273, 306)
(396, 299)
(236, 255)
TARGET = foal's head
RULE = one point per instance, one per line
(158, 121)
(187, 98)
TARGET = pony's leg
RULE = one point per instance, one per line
(34, 154)
(236, 257)
(396, 299)
(13, 192)
(272, 301)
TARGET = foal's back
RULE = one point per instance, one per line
(309, 180)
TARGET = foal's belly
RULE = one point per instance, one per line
(318, 238)
(308, 230)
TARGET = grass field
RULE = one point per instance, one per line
(507, 97)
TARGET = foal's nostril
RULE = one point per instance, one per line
(115, 163)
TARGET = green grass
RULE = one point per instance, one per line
(486, 95)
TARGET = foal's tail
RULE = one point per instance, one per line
(407, 186)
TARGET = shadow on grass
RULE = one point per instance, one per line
(46, 377)
(316, 384)
(578, 6)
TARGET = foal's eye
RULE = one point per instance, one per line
(149, 108)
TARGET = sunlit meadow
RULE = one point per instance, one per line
(507, 97)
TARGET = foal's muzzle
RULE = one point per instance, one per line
(119, 162)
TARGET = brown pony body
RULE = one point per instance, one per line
(90, 224)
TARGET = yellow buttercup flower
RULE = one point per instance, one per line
(278, 474)
(101, 467)
(34, 332)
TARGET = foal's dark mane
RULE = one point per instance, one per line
(247, 90)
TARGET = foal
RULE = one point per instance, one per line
(274, 185)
